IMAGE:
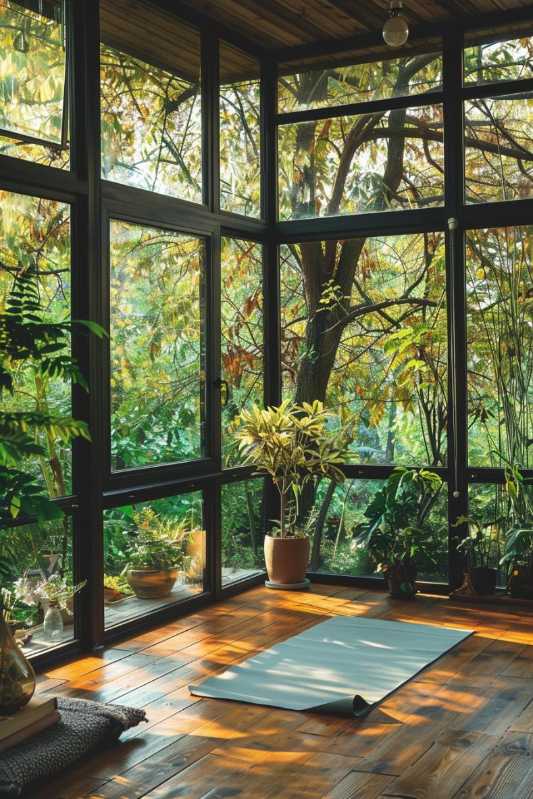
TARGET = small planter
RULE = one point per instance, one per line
(401, 581)
(483, 580)
(113, 597)
(151, 583)
(520, 584)
(286, 561)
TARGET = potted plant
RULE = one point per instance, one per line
(116, 589)
(156, 554)
(518, 538)
(481, 548)
(292, 444)
(396, 533)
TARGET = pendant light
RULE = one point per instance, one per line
(396, 27)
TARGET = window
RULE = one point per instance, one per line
(500, 346)
(240, 142)
(498, 155)
(340, 84)
(492, 61)
(242, 530)
(150, 100)
(35, 260)
(34, 121)
(371, 162)
(157, 345)
(364, 329)
(34, 558)
(242, 334)
(154, 555)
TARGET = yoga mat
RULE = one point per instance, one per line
(345, 665)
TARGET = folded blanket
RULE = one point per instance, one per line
(84, 727)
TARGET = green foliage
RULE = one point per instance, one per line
(397, 530)
(482, 545)
(518, 548)
(29, 343)
(292, 444)
(157, 543)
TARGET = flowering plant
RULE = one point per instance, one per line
(53, 590)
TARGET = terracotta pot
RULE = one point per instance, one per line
(151, 583)
(286, 559)
(401, 580)
(483, 579)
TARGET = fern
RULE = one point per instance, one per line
(28, 340)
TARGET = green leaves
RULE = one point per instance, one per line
(291, 443)
(397, 528)
(31, 344)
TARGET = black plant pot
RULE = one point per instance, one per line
(401, 580)
(483, 580)
(520, 584)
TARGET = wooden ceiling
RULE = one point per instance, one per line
(299, 33)
(275, 24)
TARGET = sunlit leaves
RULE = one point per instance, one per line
(32, 85)
(500, 336)
(35, 332)
(156, 345)
(151, 127)
(240, 159)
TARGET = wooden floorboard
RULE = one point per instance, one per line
(461, 729)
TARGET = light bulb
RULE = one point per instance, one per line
(396, 28)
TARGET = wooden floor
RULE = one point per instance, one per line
(463, 729)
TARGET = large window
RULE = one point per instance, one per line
(240, 141)
(154, 555)
(341, 84)
(373, 162)
(157, 345)
(337, 521)
(35, 276)
(34, 119)
(500, 346)
(242, 530)
(364, 329)
(378, 160)
(241, 334)
(36, 561)
(151, 100)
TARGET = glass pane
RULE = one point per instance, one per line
(242, 334)
(242, 530)
(151, 100)
(37, 562)
(500, 346)
(35, 239)
(157, 345)
(489, 62)
(489, 506)
(364, 329)
(33, 109)
(154, 556)
(372, 162)
(240, 143)
(336, 516)
(357, 83)
(498, 155)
